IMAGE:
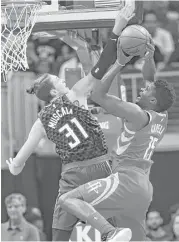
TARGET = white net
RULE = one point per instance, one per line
(17, 23)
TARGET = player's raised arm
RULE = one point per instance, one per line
(109, 54)
(114, 105)
(126, 110)
(148, 69)
(37, 132)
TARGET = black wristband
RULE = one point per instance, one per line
(107, 58)
(114, 36)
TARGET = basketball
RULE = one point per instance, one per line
(133, 40)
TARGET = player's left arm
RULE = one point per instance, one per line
(16, 164)
(149, 69)
(131, 112)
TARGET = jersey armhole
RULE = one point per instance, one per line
(149, 121)
(150, 117)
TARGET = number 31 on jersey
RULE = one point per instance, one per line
(71, 133)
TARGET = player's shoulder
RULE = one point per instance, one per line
(156, 115)
(38, 126)
(72, 94)
(77, 100)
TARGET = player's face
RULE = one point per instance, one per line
(146, 96)
(59, 84)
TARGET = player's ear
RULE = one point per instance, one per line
(53, 92)
(153, 100)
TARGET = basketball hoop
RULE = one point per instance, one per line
(18, 19)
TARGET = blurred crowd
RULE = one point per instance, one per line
(157, 230)
(26, 223)
(161, 18)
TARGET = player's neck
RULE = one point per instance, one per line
(143, 107)
(59, 95)
(148, 107)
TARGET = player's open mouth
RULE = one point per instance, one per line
(139, 97)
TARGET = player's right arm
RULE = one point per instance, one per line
(37, 132)
(109, 54)
(131, 112)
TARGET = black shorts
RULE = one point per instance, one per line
(70, 180)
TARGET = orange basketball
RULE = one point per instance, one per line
(133, 40)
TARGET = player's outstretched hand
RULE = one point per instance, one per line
(150, 49)
(123, 17)
(14, 169)
(122, 58)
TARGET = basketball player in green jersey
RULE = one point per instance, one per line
(79, 140)
(127, 193)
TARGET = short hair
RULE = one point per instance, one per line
(42, 87)
(18, 196)
(165, 95)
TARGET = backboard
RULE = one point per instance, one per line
(76, 14)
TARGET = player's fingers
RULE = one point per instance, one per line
(128, 10)
(150, 47)
(11, 160)
(128, 13)
(123, 12)
(130, 3)
(121, 6)
(8, 163)
(131, 16)
(151, 41)
(147, 54)
(131, 6)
